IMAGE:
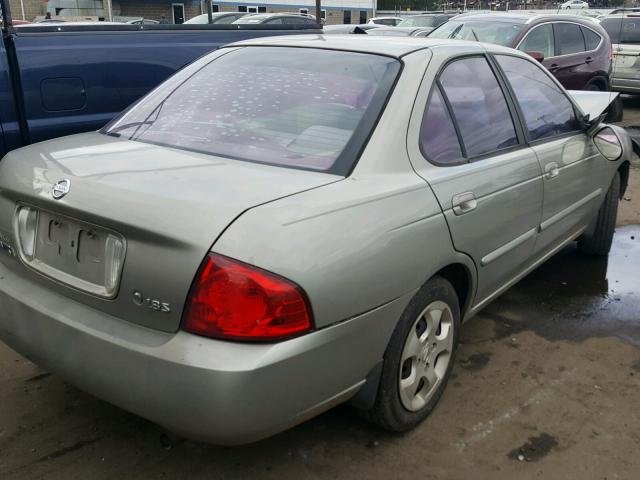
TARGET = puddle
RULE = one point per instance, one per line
(575, 297)
(535, 449)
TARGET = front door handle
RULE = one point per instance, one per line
(464, 203)
(553, 67)
(551, 170)
(588, 60)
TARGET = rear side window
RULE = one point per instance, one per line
(613, 27)
(269, 105)
(623, 30)
(438, 139)
(591, 39)
(547, 110)
(478, 106)
(569, 38)
(630, 31)
(540, 39)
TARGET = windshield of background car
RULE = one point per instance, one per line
(501, 33)
(419, 22)
(296, 107)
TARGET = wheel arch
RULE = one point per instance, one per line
(462, 280)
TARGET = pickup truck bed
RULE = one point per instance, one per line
(76, 78)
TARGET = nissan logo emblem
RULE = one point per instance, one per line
(61, 188)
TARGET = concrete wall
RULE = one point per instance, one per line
(333, 16)
(32, 9)
(155, 9)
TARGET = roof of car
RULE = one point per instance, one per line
(269, 15)
(523, 17)
(382, 45)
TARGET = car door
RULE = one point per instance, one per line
(572, 166)
(567, 65)
(468, 147)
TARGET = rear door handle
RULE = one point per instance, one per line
(464, 203)
(551, 170)
(553, 67)
(588, 60)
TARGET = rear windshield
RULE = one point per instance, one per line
(623, 30)
(295, 107)
(420, 21)
(501, 33)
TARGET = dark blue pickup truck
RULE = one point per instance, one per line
(57, 80)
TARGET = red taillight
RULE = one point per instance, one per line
(235, 301)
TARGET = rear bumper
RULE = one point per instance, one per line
(223, 392)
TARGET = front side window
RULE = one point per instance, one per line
(547, 110)
(226, 19)
(478, 106)
(540, 39)
(438, 139)
(269, 105)
(569, 38)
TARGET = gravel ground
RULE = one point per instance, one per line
(546, 385)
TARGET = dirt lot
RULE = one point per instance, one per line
(547, 385)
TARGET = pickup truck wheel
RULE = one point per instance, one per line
(419, 358)
(599, 235)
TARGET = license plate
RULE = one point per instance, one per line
(82, 255)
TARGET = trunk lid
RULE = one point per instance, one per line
(168, 205)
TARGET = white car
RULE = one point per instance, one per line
(387, 21)
(574, 4)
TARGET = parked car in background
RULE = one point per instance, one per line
(619, 11)
(388, 21)
(401, 31)
(431, 20)
(624, 32)
(46, 95)
(320, 242)
(350, 28)
(216, 18)
(576, 50)
(276, 19)
(574, 4)
(143, 21)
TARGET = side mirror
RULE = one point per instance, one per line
(608, 143)
(539, 56)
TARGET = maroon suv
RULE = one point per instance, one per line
(576, 50)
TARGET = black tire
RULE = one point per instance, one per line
(593, 87)
(388, 411)
(599, 235)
